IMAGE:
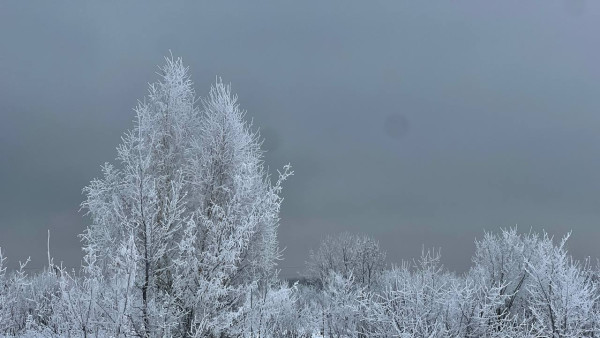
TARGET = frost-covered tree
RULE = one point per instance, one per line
(348, 255)
(412, 301)
(537, 285)
(337, 308)
(309, 311)
(144, 198)
(424, 300)
(192, 201)
(272, 314)
(230, 248)
(342, 303)
(15, 307)
(562, 294)
(94, 304)
(353, 263)
(500, 263)
(472, 310)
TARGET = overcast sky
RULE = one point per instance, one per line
(415, 122)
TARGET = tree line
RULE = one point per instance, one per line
(183, 243)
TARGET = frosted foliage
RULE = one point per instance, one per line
(187, 221)
(349, 255)
(563, 296)
(500, 262)
(183, 243)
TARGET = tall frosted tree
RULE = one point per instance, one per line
(191, 197)
(230, 248)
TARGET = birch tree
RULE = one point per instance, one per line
(191, 197)
(230, 245)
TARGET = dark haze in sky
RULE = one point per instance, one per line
(418, 123)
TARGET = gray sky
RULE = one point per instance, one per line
(418, 123)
